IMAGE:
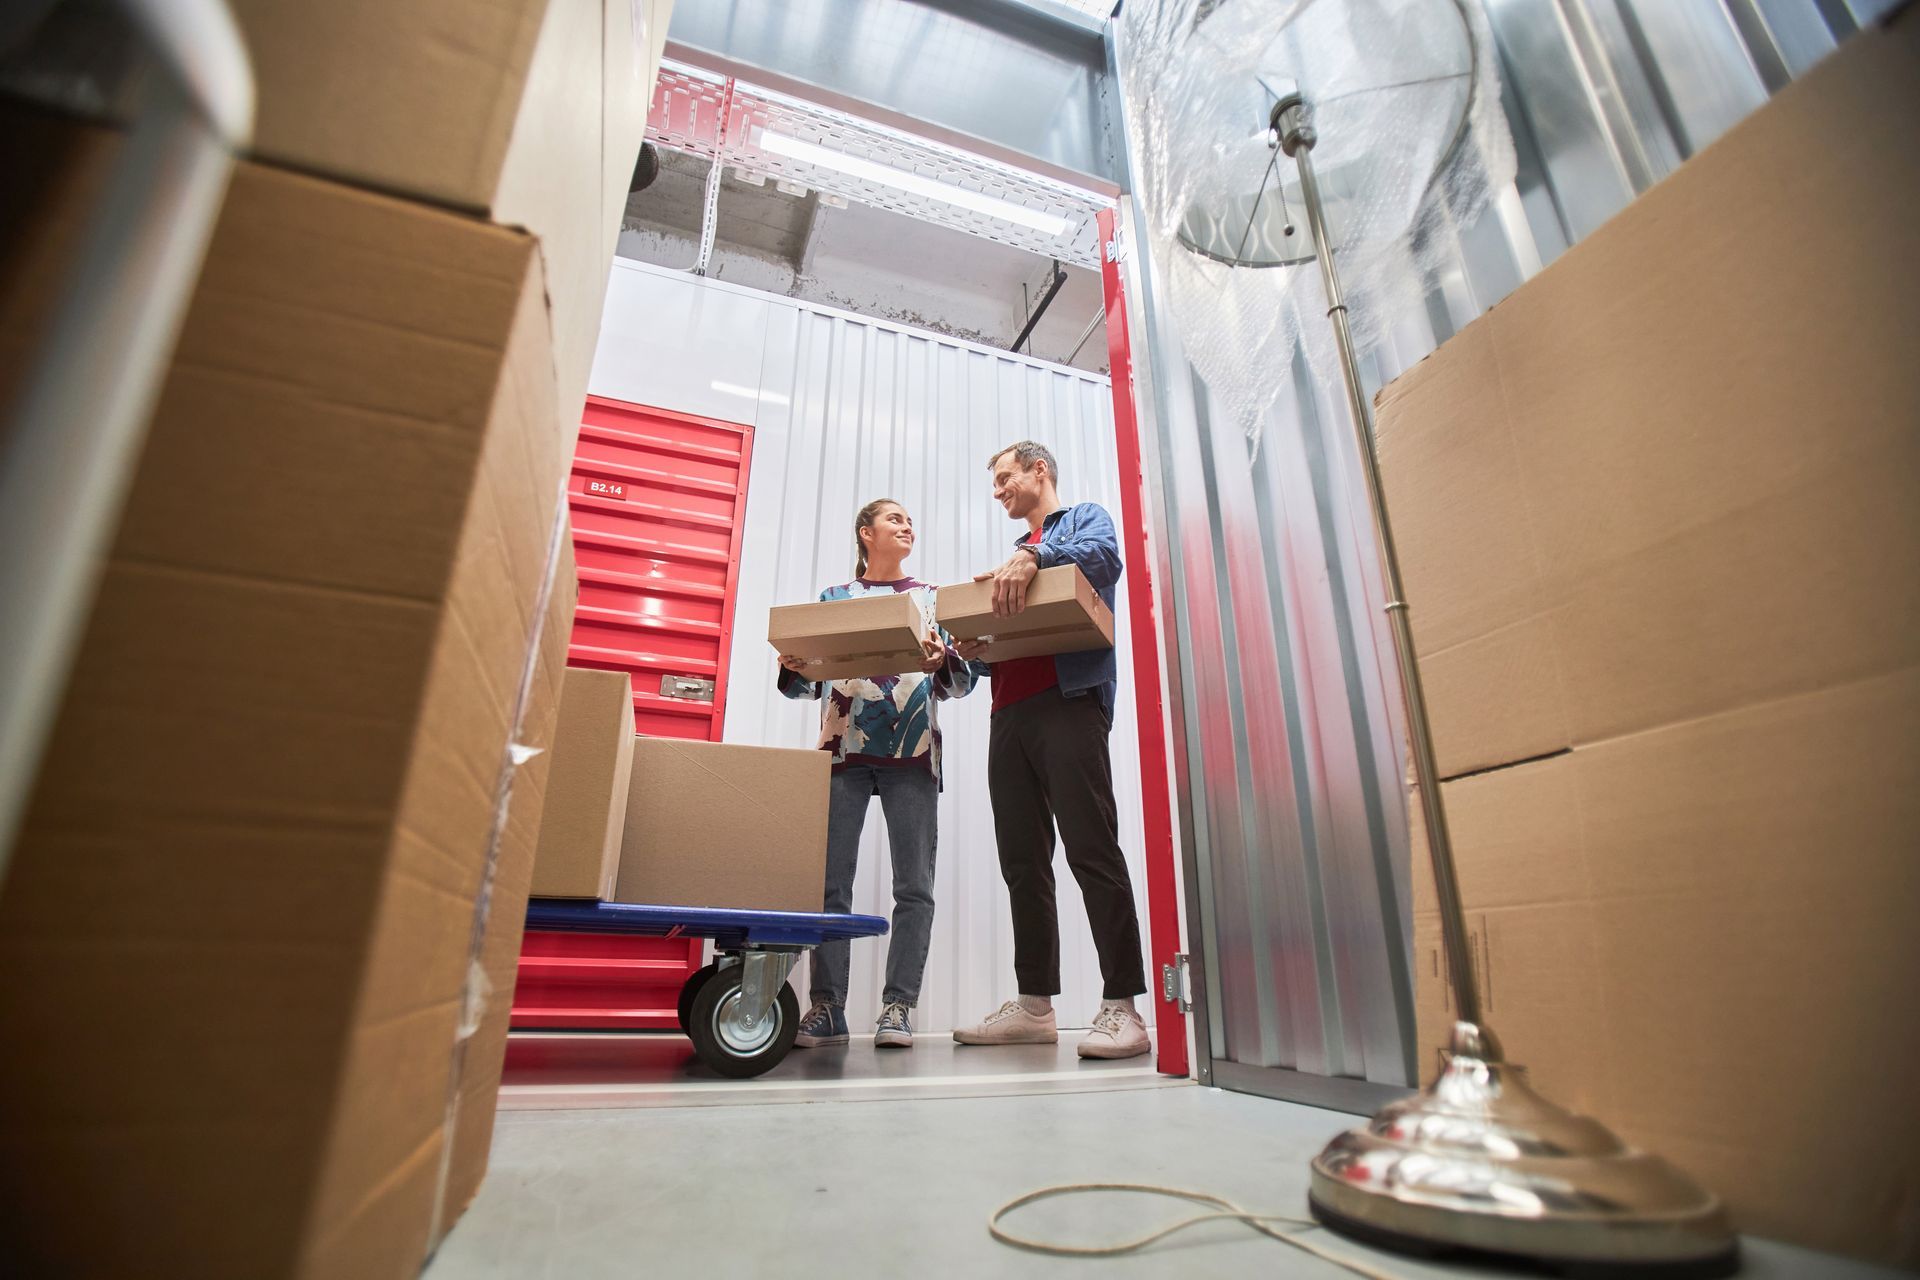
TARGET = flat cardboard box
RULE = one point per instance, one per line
(490, 1000)
(1064, 614)
(530, 112)
(1675, 473)
(875, 635)
(1657, 514)
(587, 811)
(715, 825)
(257, 839)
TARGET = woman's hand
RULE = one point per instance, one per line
(971, 650)
(796, 665)
(935, 655)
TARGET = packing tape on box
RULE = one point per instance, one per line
(477, 989)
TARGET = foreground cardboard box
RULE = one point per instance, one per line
(1064, 614)
(489, 1005)
(713, 825)
(530, 112)
(580, 834)
(872, 636)
(1658, 513)
(1659, 482)
(263, 819)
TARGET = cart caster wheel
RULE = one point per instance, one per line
(690, 991)
(730, 1045)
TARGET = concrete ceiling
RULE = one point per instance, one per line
(864, 260)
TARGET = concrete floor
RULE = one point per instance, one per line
(894, 1180)
(574, 1071)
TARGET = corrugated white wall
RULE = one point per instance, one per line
(847, 409)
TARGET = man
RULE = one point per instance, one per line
(1047, 763)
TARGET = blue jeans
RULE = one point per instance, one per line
(908, 796)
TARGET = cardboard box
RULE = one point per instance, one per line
(1658, 515)
(489, 1000)
(264, 815)
(1658, 481)
(592, 762)
(1683, 930)
(1064, 614)
(530, 112)
(712, 825)
(876, 635)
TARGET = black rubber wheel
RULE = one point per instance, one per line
(690, 991)
(727, 1046)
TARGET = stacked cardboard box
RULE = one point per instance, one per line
(282, 834)
(716, 825)
(526, 112)
(1659, 519)
(581, 829)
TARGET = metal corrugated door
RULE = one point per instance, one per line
(658, 501)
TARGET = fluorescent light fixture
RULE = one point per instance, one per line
(918, 184)
(750, 393)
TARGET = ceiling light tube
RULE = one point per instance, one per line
(919, 184)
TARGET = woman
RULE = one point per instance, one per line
(885, 740)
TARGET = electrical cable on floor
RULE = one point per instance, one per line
(1228, 1212)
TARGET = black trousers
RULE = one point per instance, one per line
(1047, 763)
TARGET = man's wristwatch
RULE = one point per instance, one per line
(1034, 551)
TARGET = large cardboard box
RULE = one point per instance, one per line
(263, 820)
(1674, 473)
(530, 112)
(1658, 516)
(581, 830)
(876, 635)
(713, 825)
(489, 998)
(1064, 614)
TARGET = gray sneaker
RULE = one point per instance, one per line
(895, 1028)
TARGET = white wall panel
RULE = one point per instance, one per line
(669, 340)
(847, 409)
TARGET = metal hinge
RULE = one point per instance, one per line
(687, 688)
(1176, 983)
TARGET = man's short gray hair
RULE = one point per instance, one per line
(1026, 453)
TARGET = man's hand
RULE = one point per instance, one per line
(971, 650)
(1010, 583)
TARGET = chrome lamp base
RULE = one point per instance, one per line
(1480, 1164)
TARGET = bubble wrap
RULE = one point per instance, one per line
(1412, 143)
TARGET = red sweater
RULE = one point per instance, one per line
(1018, 679)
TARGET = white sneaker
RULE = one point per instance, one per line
(1118, 1032)
(1011, 1023)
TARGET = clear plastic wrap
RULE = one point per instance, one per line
(1404, 99)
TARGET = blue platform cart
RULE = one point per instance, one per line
(739, 1011)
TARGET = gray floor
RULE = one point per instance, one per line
(885, 1181)
(571, 1072)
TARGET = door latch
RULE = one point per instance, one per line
(1176, 983)
(686, 688)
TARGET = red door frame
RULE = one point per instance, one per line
(1163, 909)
